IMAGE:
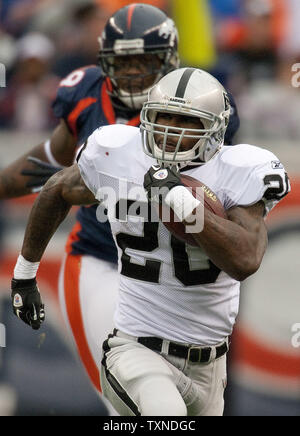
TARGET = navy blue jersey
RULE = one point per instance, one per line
(84, 103)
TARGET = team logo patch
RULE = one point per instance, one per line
(276, 165)
(179, 100)
(167, 28)
(161, 174)
(18, 302)
(209, 193)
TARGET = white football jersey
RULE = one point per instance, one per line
(170, 289)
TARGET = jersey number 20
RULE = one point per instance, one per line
(150, 272)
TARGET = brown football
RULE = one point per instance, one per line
(211, 202)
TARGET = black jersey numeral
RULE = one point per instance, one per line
(183, 272)
(148, 242)
(278, 187)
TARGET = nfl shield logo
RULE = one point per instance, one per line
(161, 174)
(18, 302)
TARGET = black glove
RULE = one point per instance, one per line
(27, 303)
(40, 174)
(157, 178)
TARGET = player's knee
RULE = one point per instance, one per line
(163, 407)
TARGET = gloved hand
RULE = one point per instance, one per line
(157, 178)
(40, 174)
(27, 303)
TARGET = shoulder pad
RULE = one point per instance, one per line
(81, 78)
(76, 86)
(116, 150)
(254, 174)
(246, 155)
(115, 135)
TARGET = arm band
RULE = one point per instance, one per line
(182, 201)
(50, 157)
(25, 270)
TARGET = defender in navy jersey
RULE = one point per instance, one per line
(131, 61)
(83, 102)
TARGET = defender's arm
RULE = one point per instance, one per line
(62, 147)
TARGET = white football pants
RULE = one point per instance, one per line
(139, 381)
(88, 290)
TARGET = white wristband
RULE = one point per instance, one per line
(182, 201)
(50, 157)
(25, 270)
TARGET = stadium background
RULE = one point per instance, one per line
(253, 47)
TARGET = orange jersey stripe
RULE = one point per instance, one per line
(72, 298)
(107, 104)
(73, 116)
(135, 122)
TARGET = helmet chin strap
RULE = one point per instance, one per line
(133, 100)
(185, 156)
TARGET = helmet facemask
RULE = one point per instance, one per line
(208, 140)
(132, 89)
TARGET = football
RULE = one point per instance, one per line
(211, 202)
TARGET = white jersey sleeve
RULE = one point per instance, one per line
(251, 174)
(108, 150)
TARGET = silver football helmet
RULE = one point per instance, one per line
(190, 92)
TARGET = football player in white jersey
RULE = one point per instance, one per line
(177, 303)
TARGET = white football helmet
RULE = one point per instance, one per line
(190, 92)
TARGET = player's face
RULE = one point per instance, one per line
(174, 120)
(134, 73)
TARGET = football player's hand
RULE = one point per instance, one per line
(157, 178)
(40, 174)
(27, 303)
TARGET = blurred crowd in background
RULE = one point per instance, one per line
(253, 48)
(249, 45)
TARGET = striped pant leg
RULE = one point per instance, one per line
(138, 381)
(88, 290)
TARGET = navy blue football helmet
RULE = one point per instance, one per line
(137, 47)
